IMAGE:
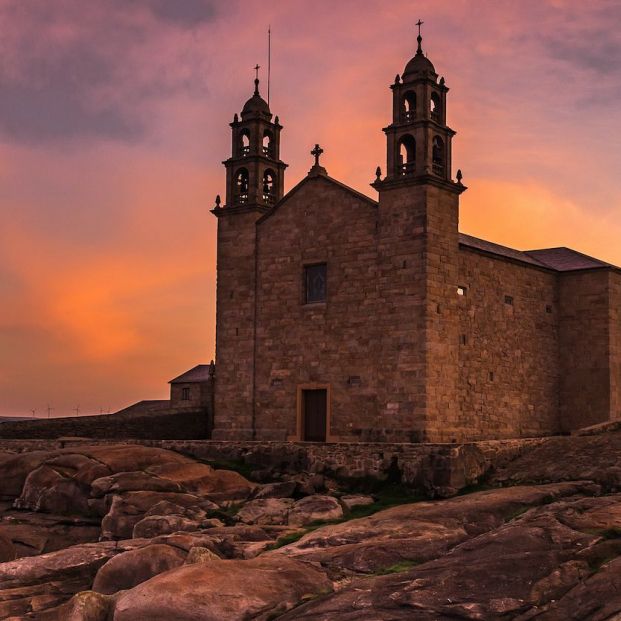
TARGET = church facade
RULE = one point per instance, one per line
(342, 318)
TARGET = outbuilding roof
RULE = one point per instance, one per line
(200, 373)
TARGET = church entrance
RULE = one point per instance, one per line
(314, 415)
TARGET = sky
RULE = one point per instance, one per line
(114, 123)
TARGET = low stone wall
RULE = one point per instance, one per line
(171, 424)
(434, 469)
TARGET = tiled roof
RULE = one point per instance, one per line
(566, 259)
(503, 251)
(200, 373)
(557, 259)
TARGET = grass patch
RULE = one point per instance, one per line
(475, 487)
(239, 466)
(598, 561)
(516, 514)
(285, 540)
(389, 496)
(397, 568)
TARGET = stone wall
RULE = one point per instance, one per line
(177, 423)
(508, 348)
(615, 344)
(442, 264)
(433, 469)
(585, 314)
(322, 344)
(235, 308)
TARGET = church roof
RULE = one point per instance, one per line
(200, 373)
(557, 259)
(497, 249)
(565, 259)
(418, 65)
(256, 105)
(310, 177)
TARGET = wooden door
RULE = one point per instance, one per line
(314, 414)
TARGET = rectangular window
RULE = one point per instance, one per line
(509, 300)
(185, 394)
(315, 283)
(461, 290)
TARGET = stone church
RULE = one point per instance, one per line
(342, 318)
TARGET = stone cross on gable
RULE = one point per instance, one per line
(317, 151)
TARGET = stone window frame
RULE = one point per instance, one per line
(305, 268)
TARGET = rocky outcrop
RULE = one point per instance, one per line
(315, 508)
(7, 549)
(183, 540)
(537, 565)
(416, 533)
(260, 588)
(40, 582)
(133, 567)
(596, 458)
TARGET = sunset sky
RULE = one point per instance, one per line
(114, 123)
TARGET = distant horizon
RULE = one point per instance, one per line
(114, 123)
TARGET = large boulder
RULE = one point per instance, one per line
(205, 481)
(13, 471)
(49, 580)
(314, 509)
(37, 533)
(260, 589)
(127, 509)
(280, 489)
(155, 525)
(7, 549)
(68, 480)
(128, 569)
(596, 458)
(45, 489)
(266, 511)
(132, 482)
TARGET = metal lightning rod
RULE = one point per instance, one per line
(269, 61)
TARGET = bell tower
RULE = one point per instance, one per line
(254, 184)
(419, 140)
(254, 173)
(418, 245)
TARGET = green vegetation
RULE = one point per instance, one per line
(239, 466)
(516, 513)
(397, 568)
(600, 557)
(482, 486)
(389, 495)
